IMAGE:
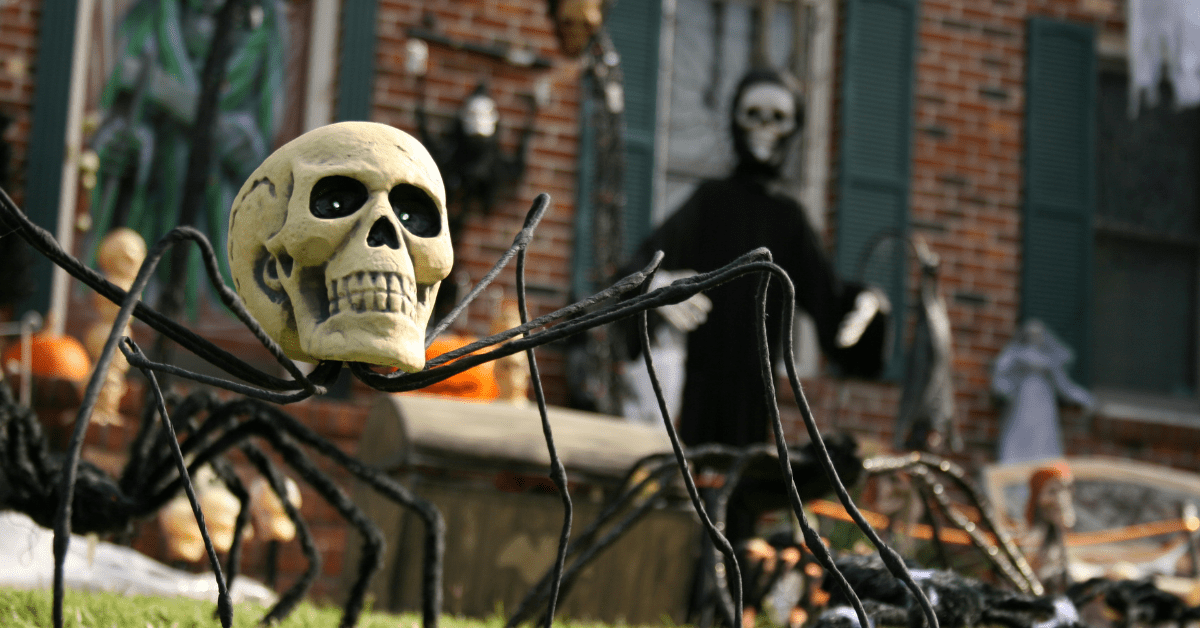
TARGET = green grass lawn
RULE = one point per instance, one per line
(30, 609)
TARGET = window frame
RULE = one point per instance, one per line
(1112, 55)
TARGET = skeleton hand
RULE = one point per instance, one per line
(686, 315)
(867, 304)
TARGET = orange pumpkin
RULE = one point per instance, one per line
(58, 357)
(475, 384)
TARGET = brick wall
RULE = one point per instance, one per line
(452, 75)
(966, 195)
(18, 51)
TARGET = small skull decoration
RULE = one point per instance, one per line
(338, 243)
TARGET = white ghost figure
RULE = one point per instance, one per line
(338, 243)
(1030, 374)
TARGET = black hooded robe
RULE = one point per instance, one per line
(724, 397)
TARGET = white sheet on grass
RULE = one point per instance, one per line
(27, 562)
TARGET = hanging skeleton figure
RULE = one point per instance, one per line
(338, 243)
(475, 168)
(725, 217)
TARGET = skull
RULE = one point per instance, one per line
(480, 116)
(338, 243)
(766, 116)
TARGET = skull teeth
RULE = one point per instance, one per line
(374, 291)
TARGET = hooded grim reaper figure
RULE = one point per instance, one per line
(723, 392)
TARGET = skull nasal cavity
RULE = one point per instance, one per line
(383, 234)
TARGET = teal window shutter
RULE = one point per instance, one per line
(356, 72)
(1056, 279)
(47, 133)
(634, 26)
(879, 57)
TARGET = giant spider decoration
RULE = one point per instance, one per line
(72, 486)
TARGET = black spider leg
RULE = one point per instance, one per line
(41, 240)
(811, 538)
(273, 424)
(676, 292)
(70, 469)
(224, 602)
(890, 558)
(224, 470)
(1010, 563)
(373, 540)
(558, 473)
(534, 216)
(988, 515)
(572, 312)
(586, 555)
(720, 508)
(584, 547)
(926, 490)
(147, 447)
(714, 534)
(264, 423)
(1010, 571)
(289, 599)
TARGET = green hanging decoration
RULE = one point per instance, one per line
(149, 104)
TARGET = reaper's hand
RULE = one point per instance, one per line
(686, 315)
(868, 303)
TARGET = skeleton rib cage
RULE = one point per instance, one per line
(626, 298)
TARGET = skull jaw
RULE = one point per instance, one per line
(764, 145)
(377, 338)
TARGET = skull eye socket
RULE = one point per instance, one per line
(337, 197)
(416, 210)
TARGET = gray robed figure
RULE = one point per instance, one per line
(1030, 375)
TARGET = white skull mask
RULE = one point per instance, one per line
(766, 114)
(338, 243)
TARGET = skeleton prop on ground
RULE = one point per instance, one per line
(119, 255)
(362, 188)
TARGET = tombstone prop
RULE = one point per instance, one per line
(741, 212)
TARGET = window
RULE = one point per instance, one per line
(1147, 238)
(1111, 221)
(713, 46)
(677, 85)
